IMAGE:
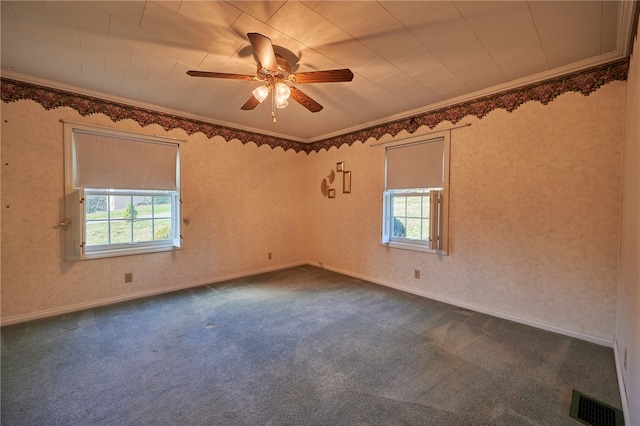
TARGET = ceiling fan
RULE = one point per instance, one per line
(275, 72)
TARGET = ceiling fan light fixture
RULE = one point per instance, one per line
(281, 103)
(282, 91)
(261, 93)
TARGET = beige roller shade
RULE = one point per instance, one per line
(415, 165)
(107, 162)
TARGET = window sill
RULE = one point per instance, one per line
(414, 247)
(101, 254)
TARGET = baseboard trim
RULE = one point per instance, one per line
(622, 385)
(522, 320)
(138, 295)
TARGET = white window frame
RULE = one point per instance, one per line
(439, 206)
(75, 218)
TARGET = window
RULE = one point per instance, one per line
(415, 200)
(122, 192)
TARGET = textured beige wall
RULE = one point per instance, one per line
(534, 223)
(628, 326)
(242, 201)
(534, 215)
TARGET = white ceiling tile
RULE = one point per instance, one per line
(415, 64)
(401, 85)
(171, 6)
(610, 10)
(234, 65)
(215, 14)
(479, 81)
(434, 75)
(311, 60)
(480, 71)
(9, 28)
(446, 34)
(311, 4)
(505, 29)
(128, 10)
(567, 36)
(345, 15)
(378, 27)
(399, 47)
(399, 8)
(359, 86)
(161, 79)
(77, 54)
(311, 29)
(377, 70)
(36, 7)
(521, 66)
(124, 32)
(120, 65)
(144, 60)
(101, 74)
(77, 14)
(384, 98)
(183, 31)
(354, 55)
(136, 85)
(449, 88)
(260, 10)
(46, 28)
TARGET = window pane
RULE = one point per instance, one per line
(120, 231)
(399, 206)
(162, 229)
(131, 218)
(414, 229)
(399, 227)
(414, 206)
(142, 228)
(425, 229)
(97, 215)
(97, 232)
(425, 206)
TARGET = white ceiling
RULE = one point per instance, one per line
(407, 56)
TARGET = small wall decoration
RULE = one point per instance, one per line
(346, 182)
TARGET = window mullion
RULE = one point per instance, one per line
(109, 217)
(153, 218)
(132, 217)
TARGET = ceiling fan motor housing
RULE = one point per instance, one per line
(283, 73)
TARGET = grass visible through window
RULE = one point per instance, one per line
(147, 226)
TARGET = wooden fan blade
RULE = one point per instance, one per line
(264, 51)
(328, 76)
(305, 100)
(251, 103)
(220, 75)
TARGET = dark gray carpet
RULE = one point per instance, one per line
(302, 346)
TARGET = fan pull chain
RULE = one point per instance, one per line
(273, 107)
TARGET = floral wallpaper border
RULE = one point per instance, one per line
(585, 82)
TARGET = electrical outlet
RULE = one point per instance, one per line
(625, 358)
(269, 256)
(128, 277)
(416, 274)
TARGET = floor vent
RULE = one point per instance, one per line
(591, 412)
